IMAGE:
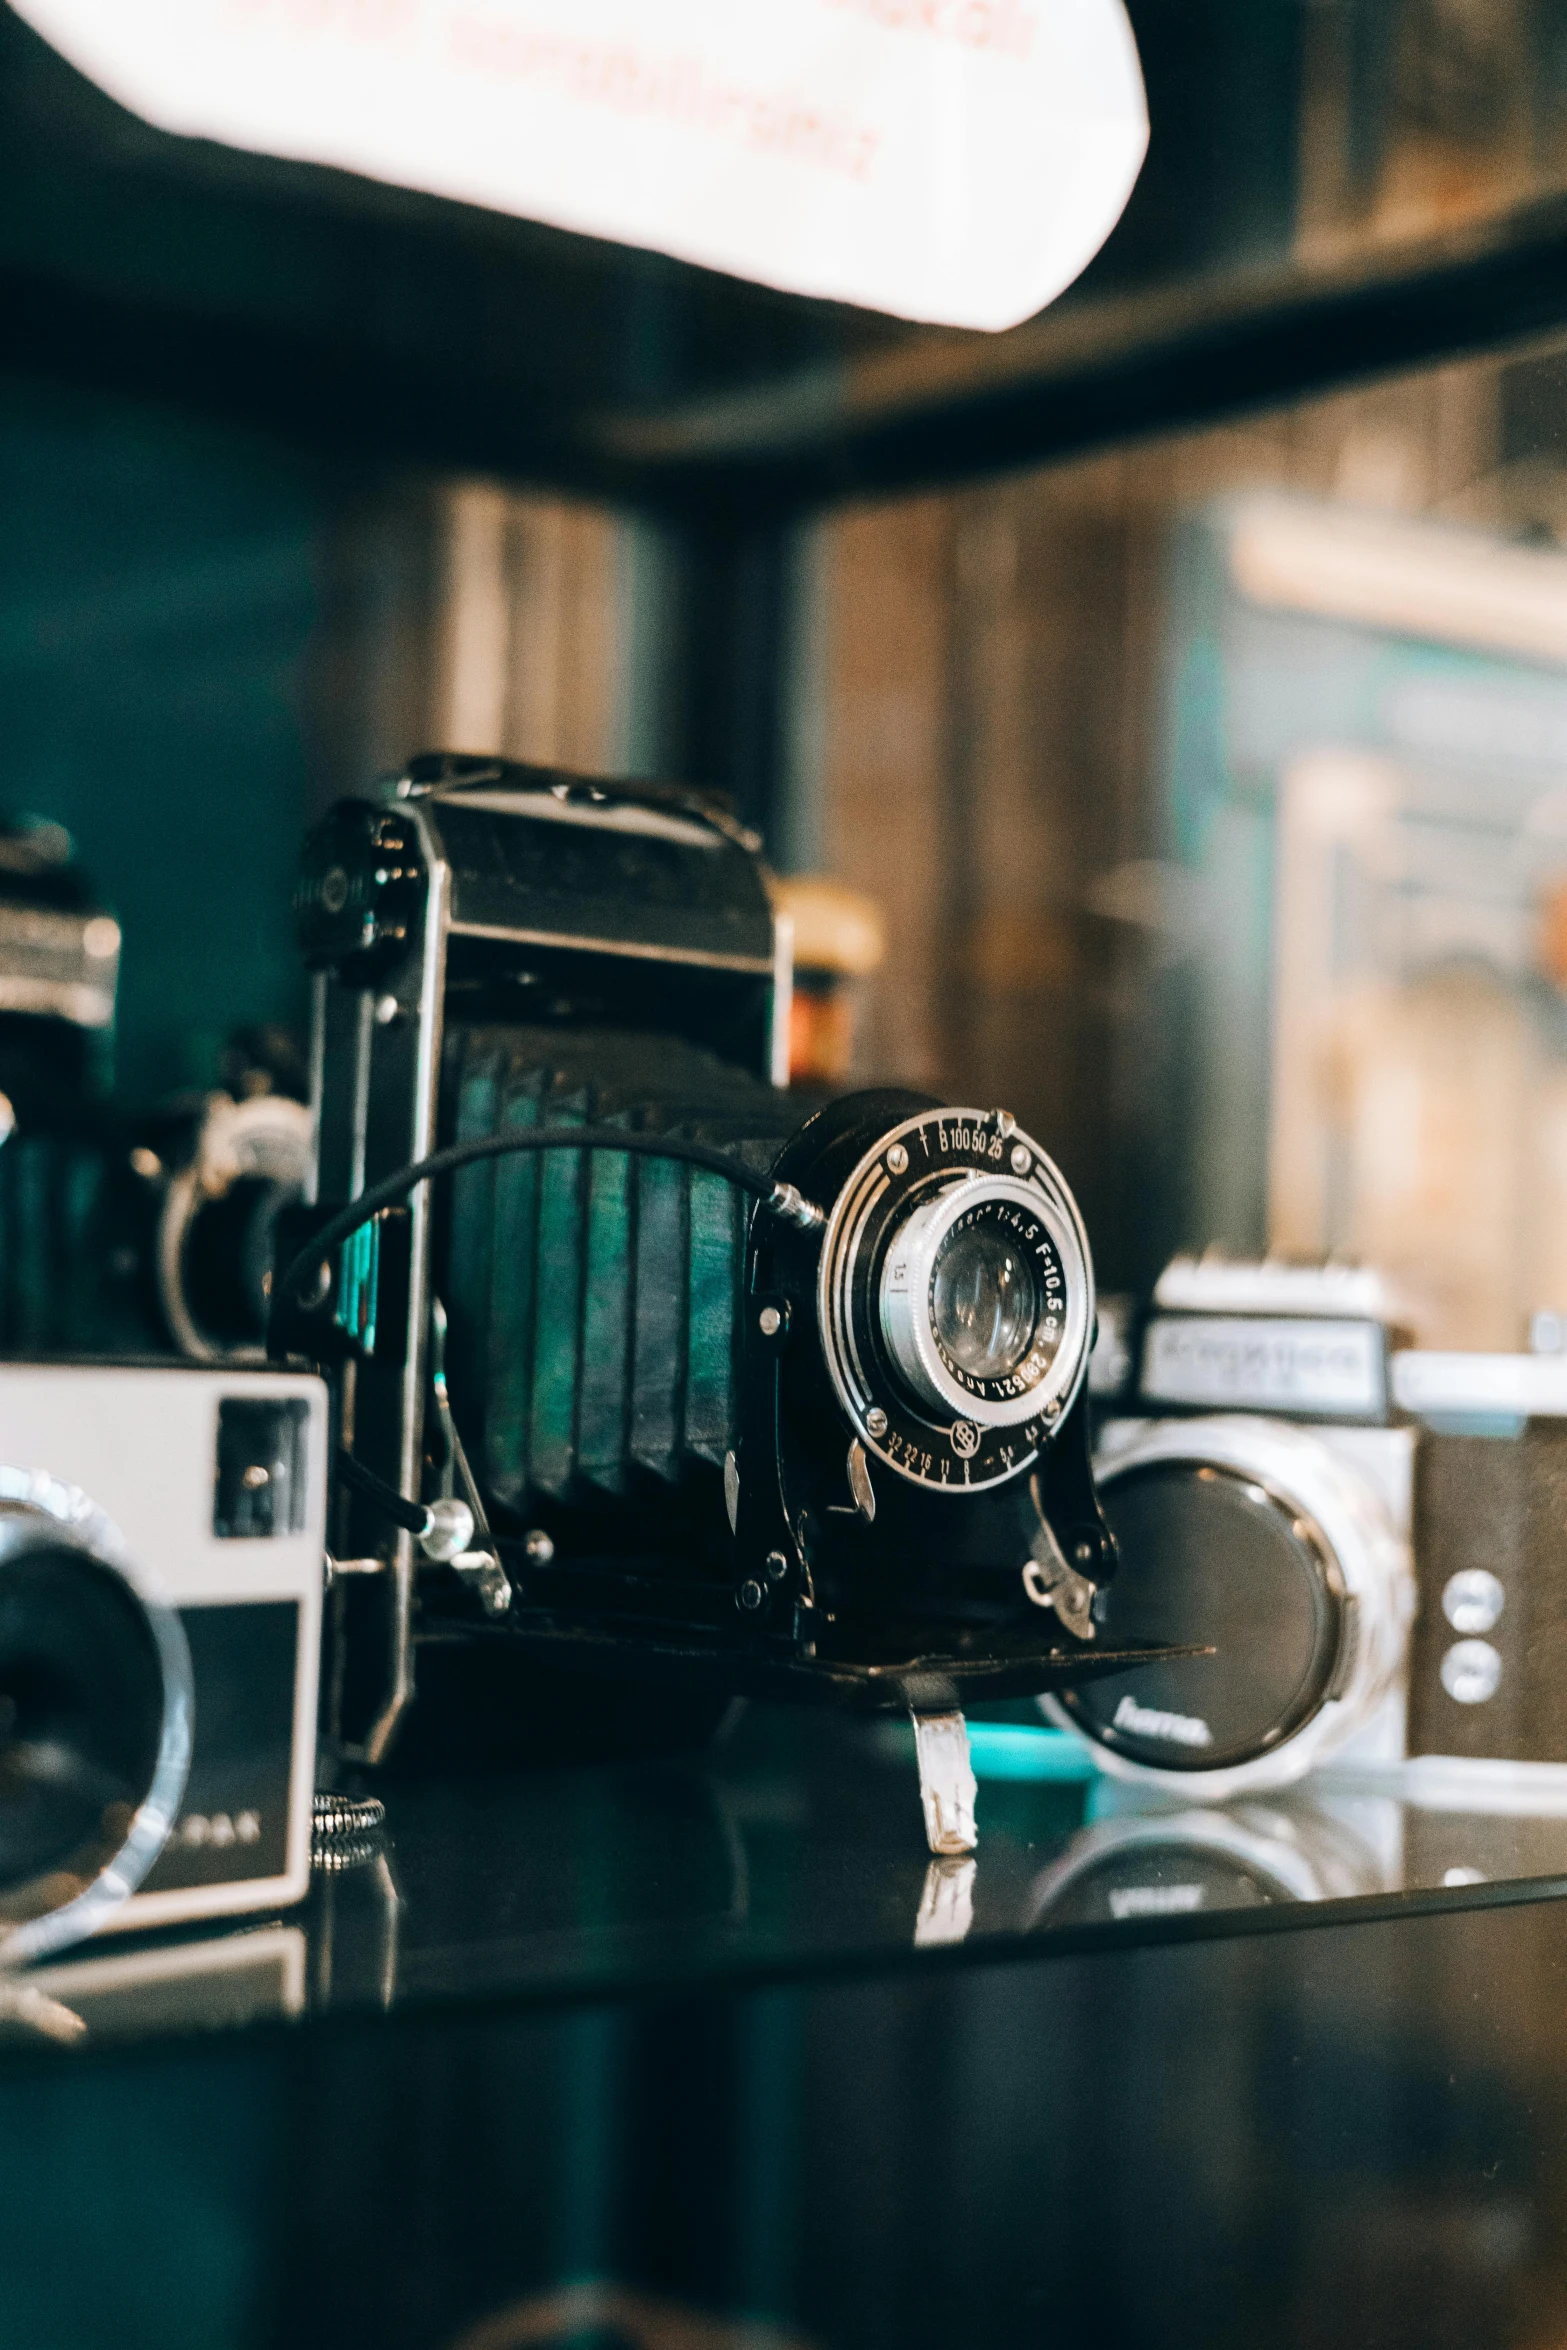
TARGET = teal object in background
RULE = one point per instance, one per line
(1247, 690)
(1024, 1753)
(152, 2232)
(1019, 1752)
(158, 600)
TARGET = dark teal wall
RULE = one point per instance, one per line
(159, 596)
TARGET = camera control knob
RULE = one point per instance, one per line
(360, 889)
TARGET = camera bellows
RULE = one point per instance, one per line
(593, 1299)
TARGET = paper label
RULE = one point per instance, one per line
(957, 161)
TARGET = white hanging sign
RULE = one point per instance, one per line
(957, 161)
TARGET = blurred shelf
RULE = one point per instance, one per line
(791, 1853)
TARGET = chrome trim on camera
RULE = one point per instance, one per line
(410, 1467)
(907, 1274)
(86, 1528)
(702, 958)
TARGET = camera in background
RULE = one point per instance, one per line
(75, 1243)
(223, 1170)
(1371, 1537)
(161, 1535)
(125, 1232)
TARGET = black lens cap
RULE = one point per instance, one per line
(1210, 1556)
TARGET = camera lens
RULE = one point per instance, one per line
(983, 1300)
(1209, 1555)
(228, 1253)
(954, 1296)
(94, 1728)
(975, 1299)
(1261, 1543)
(217, 1232)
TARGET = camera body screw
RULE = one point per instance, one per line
(876, 1421)
(537, 1548)
(897, 1160)
(769, 1321)
(750, 1596)
(775, 1566)
(1022, 1159)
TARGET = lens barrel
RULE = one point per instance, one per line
(248, 1164)
(95, 1717)
(974, 1299)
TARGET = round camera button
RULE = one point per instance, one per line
(1471, 1672)
(1473, 1600)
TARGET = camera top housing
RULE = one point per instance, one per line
(666, 1375)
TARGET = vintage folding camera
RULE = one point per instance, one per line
(161, 1539)
(1373, 1540)
(744, 1397)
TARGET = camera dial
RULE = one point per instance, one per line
(955, 1299)
(95, 1716)
(360, 891)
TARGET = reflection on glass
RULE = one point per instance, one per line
(1133, 1864)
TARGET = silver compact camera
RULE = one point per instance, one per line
(161, 1542)
(1370, 1540)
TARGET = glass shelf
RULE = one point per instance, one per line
(791, 1850)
